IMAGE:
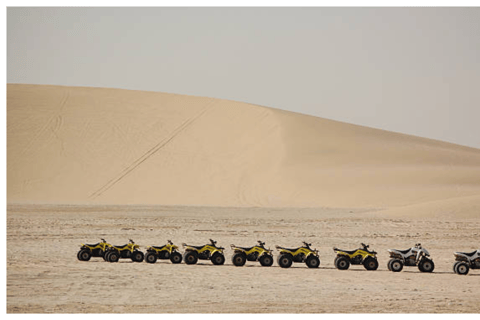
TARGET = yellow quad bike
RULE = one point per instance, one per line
(207, 252)
(256, 253)
(168, 251)
(360, 256)
(92, 250)
(301, 254)
(127, 251)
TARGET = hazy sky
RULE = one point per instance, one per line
(410, 70)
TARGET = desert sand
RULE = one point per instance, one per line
(86, 163)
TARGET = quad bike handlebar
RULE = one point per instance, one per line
(307, 244)
(261, 243)
(366, 246)
(170, 242)
(213, 242)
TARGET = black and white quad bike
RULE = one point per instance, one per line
(415, 256)
(466, 261)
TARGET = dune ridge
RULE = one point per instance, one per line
(82, 145)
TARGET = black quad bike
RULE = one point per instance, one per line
(256, 253)
(127, 251)
(206, 252)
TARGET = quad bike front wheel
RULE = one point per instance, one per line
(218, 259)
(113, 256)
(312, 261)
(395, 265)
(190, 257)
(84, 255)
(285, 260)
(176, 257)
(370, 264)
(462, 268)
(427, 265)
(105, 255)
(137, 256)
(239, 259)
(150, 257)
(266, 260)
(342, 263)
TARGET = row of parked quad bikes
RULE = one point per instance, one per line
(415, 256)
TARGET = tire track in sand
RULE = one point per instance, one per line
(150, 152)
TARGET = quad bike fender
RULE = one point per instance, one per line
(287, 253)
(423, 253)
(237, 249)
(240, 251)
(364, 254)
(311, 253)
(343, 254)
(191, 249)
(212, 252)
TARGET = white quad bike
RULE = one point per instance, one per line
(466, 261)
(415, 256)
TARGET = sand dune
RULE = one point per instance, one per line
(95, 146)
(183, 160)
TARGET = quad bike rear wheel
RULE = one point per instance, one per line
(312, 261)
(342, 263)
(176, 257)
(190, 257)
(395, 265)
(266, 260)
(84, 255)
(150, 257)
(239, 259)
(427, 265)
(218, 259)
(455, 266)
(462, 268)
(285, 260)
(370, 263)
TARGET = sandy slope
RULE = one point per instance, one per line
(90, 145)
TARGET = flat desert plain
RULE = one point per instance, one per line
(91, 163)
(44, 275)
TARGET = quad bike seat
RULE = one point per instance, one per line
(121, 247)
(347, 251)
(156, 247)
(288, 249)
(468, 254)
(93, 245)
(196, 247)
(402, 251)
(246, 249)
